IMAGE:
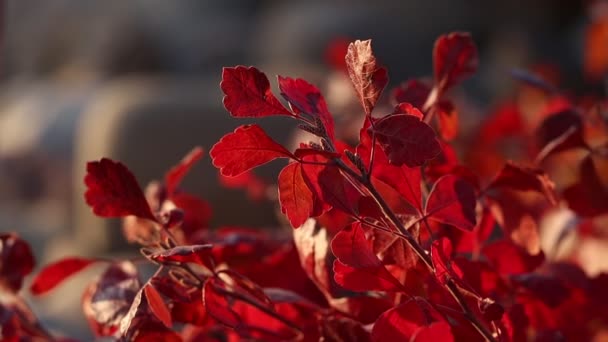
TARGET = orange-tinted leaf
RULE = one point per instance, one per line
(247, 147)
(454, 59)
(405, 139)
(112, 191)
(452, 201)
(53, 274)
(248, 93)
(174, 177)
(308, 99)
(157, 305)
(296, 199)
(368, 78)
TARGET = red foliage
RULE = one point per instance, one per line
(373, 254)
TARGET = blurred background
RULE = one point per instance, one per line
(138, 81)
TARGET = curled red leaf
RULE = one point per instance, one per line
(454, 59)
(113, 191)
(248, 93)
(174, 177)
(55, 273)
(247, 147)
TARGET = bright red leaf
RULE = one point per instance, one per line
(248, 93)
(157, 305)
(247, 147)
(306, 98)
(452, 201)
(54, 274)
(415, 320)
(441, 254)
(113, 191)
(217, 305)
(197, 254)
(174, 177)
(296, 199)
(405, 139)
(454, 59)
(367, 76)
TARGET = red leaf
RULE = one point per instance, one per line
(218, 307)
(414, 320)
(412, 91)
(197, 254)
(357, 267)
(112, 191)
(452, 201)
(174, 177)
(297, 201)
(454, 59)
(53, 274)
(448, 120)
(157, 305)
(365, 279)
(308, 99)
(588, 197)
(523, 178)
(247, 147)
(441, 253)
(196, 211)
(248, 93)
(405, 139)
(16, 261)
(368, 78)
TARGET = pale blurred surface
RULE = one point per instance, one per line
(138, 81)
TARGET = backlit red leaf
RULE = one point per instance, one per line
(53, 274)
(296, 199)
(112, 191)
(454, 59)
(367, 76)
(406, 140)
(247, 147)
(448, 120)
(16, 261)
(306, 98)
(522, 178)
(415, 320)
(197, 254)
(174, 177)
(441, 253)
(157, 305)
(217, 306)
(365, 278)
(452, 201)
(248, 93)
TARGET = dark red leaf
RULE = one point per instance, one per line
(405, 139)
(589, 196)
(522, 178)
(112, 191)
(414, 320)
(452, 201)
(412, 91)
(174, 177)
(307, 99)
(561, 131)
(454, 59)
(365, 278)
(197, 254)
(158, 305)
(16, 262)
(247, 147)
(248, 93)
(329, 186)
(296, 199)
(367, 76)
(54, 274)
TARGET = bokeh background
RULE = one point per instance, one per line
(138, 81)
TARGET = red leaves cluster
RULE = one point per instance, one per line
(395, 238)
